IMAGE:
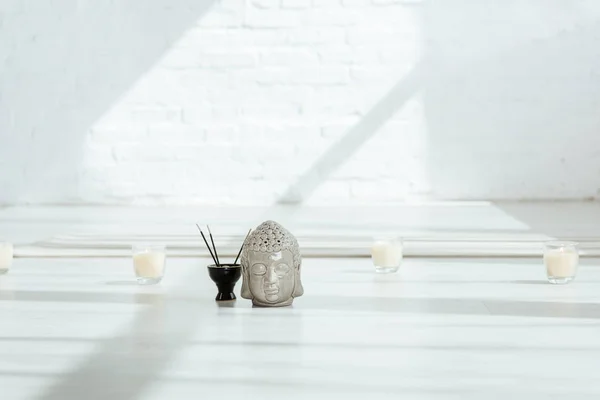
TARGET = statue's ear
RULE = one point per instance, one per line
(298, 288)
(246, 294)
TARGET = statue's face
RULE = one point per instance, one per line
(271, 276)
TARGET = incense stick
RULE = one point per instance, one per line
(214, 247)
(242, 247)
(207, 246)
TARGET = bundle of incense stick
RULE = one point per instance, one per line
(213, 252)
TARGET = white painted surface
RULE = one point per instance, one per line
(233, 102)
(438, 329)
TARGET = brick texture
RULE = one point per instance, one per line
(233, 102)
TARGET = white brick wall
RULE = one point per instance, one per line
(162, 102)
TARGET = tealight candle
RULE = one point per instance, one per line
(386, 254)
(6, 257)
(561, 260)
(149, 263)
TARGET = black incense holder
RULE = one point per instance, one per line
(225, 277)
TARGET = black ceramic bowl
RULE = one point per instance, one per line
(225, 276)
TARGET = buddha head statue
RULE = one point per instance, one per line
(271, 266)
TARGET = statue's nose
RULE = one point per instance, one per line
(271, 275)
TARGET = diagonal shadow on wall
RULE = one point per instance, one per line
(62, 65)
(529, 77)
(357, 135)
(518, 97)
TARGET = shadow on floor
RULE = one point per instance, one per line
(454, 306)
(400, 305)
(81, 297)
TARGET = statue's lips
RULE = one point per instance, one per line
(271, 290)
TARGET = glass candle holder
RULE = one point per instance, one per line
(149, 262)
(561, 260)
(386, 253)
(6, 257)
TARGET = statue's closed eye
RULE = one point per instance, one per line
(259, 269)
(282, 269)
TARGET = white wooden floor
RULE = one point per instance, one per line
(441, 328)
(442, 229)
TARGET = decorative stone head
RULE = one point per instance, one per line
(271, 266)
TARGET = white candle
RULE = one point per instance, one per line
(561, 263)
(149, 264)
(6, 256)
(386, 253)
